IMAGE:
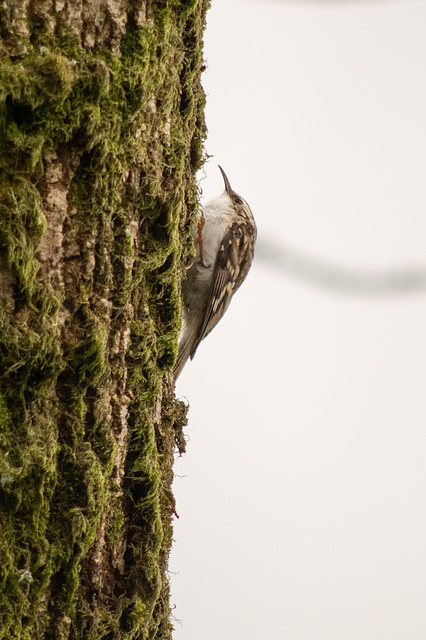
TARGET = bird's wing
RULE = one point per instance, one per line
(232, 265)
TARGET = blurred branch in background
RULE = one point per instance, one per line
(329, 276)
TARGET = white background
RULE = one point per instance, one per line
(302, 494)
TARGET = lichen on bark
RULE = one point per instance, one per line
(101, 132)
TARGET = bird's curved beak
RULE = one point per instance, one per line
(225, 179)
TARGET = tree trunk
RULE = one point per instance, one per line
(101, 131)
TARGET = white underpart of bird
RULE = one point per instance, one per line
(224, 242)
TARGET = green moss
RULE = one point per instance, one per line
(36, 80)
(131, 128)
(22, 225)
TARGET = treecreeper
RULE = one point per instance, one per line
(224, 239)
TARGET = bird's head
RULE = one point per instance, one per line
(240, 206)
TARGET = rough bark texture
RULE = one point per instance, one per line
(101, 129)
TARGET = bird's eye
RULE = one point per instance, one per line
(239, 201)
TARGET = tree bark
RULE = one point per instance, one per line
(101, 131)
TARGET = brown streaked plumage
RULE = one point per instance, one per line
(224, 242)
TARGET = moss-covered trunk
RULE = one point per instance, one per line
(101, 129)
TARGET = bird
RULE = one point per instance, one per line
(224, 239)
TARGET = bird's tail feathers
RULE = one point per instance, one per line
(185, 348)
